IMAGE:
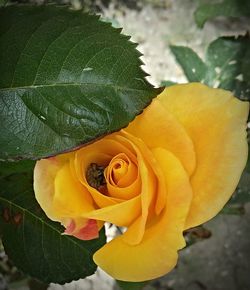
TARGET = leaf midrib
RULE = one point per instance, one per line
(41, 220)
(70, 85)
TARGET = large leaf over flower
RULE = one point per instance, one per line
(66, 79)
(33, 242)
(226, 64)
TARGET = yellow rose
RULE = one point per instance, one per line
(174, 167)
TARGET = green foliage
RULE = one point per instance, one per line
(167, 83)
(226, 64)
(193, 67)
(233, 8)
(236, 209)
(248, 161)
(240, 197)
(66, 79)
(7, 168)
(3, 2)
(242, 193)
(131, 285)
(34, 243)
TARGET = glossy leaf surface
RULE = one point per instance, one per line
(66, 79)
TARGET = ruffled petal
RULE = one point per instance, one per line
(148, 193)
(83, 158)
(216, 122)
(122, 177)
(82, 229)
(44, 175)
(157, 253)
(157, 127)
(159, 189)
(121, 214)
(67, 188)
(54, 185)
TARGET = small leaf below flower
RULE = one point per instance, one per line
(34, 243)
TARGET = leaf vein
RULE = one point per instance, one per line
(26, 44)
(41, 220)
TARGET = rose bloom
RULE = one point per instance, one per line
(174, 167)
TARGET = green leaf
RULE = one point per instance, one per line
(34, 243)
(3, 2)
(248, 161)
(192, 65)
(242, 193)
(167, 83)
(66, 79)
(237, 209)
(240, 197)
(7, 168)
(228, 59)
(233, 8)
(226, 64)
(131, 285)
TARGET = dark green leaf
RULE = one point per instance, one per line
(66, 79)
(234, 8)
(131, 285)
(7, 168)
(34, 243)
(226, 64)
(240, 197)
(228, 61)
(248, 161)
(3, 2)
(242, 193)
(167, 83)
(237, 209)
(192, 65)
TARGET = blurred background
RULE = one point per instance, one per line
(218, 257)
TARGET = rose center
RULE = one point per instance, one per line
(121, 172)
(95, 175)
(119, 169)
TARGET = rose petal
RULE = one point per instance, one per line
(100, 152)
(66, 187)
(54, 185)
(121, 214)
(88, 232)
(159, 186)
(216, 122)
(70, 227)
(124, 185)
(157, 253)
(82, 229)
(122, 171)
(44, 175)
(126, 193)
(157, 127)
(135, 232)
